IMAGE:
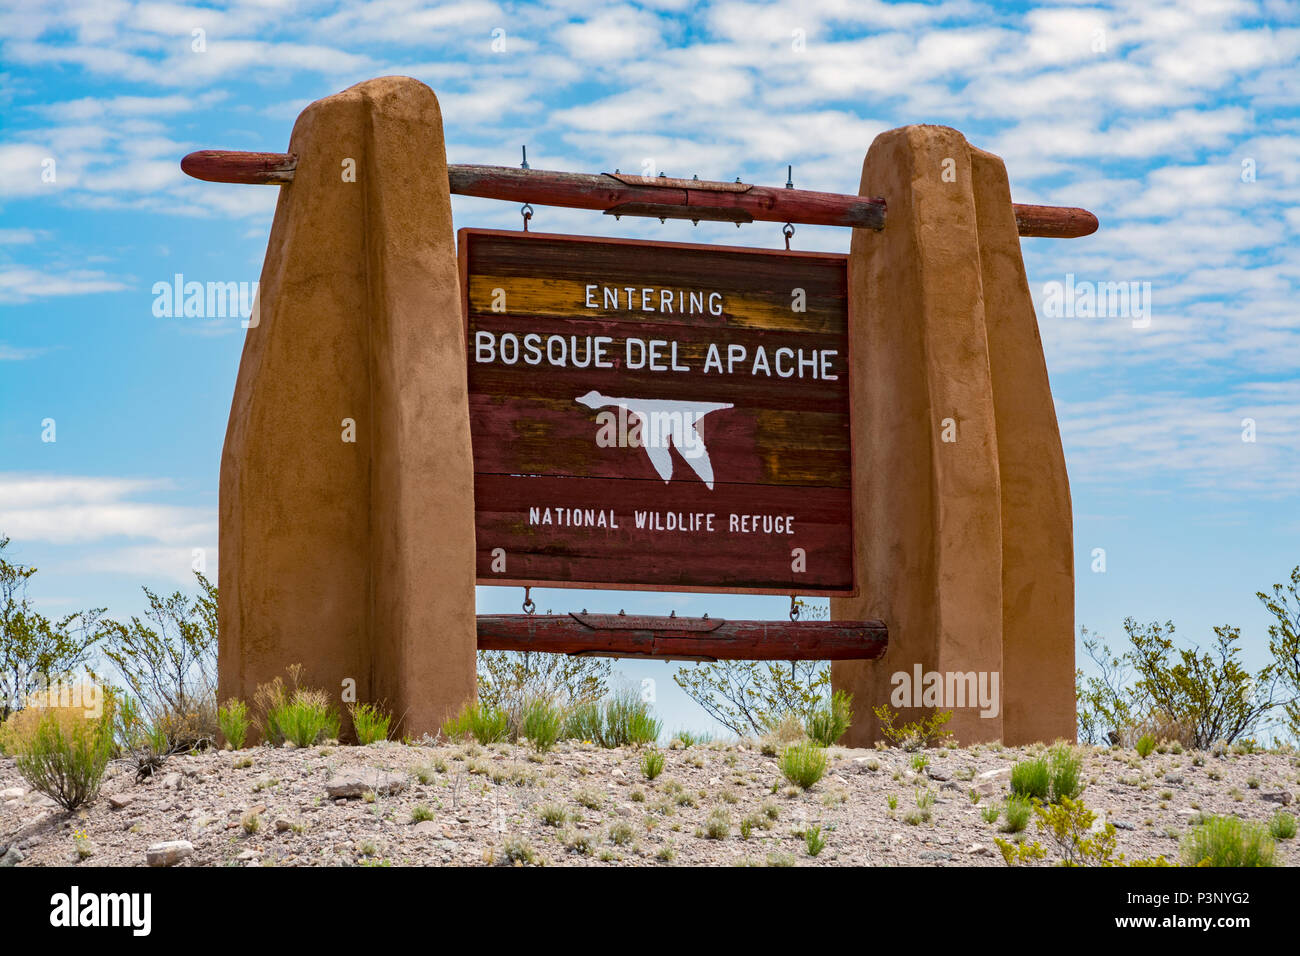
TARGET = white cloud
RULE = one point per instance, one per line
(21, 284)
(61, 509)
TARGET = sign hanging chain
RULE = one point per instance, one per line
(530, 606)
(525, 210)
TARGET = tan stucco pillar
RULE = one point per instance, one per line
(347, 508)
(961, 503)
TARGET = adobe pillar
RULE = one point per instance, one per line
(347, 512)
(961, 501)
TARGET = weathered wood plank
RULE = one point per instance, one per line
(568, 413)
(731, 202)
(683, 638)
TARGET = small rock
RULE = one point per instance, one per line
(990, 781)
(353, 784)
(617, 772)
(119, 801)
(1174, 778)
(1282, 796)
(1122, 825)
(428, 828)
(13, 856)
(169, 853)
(978, 849)
(282, 825)
(170, 781)
(937, 773)
(11, 793)
(935, 855)
(249, 855)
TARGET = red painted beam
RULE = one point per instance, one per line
(660, 197)
(682, 638)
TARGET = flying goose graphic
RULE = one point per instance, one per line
(664, 422)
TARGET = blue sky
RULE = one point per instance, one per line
(1176, 123)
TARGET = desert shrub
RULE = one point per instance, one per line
(232, 719)
(60, 751)
(814, 841)
(623, 719)
(1228, 841)
(1284, 644)
(1185, 693)
(691, 738)
(542, 722)
(1066, 767)
(294, 713)
(515, 850)
(510, 680)
(1016, 813)
(421, 813)
(1282, 826)
(628, 721)
(168, 663)
(145, 744)
(479, 721)
(748, 697)
(1146, 743)
(1031, 779)
(35, 650)
(915, 735)
(1070, 825)
(585, 721)
(652, 763)
(803, 764)
(717, 825)
(370, 721)
(828, 722)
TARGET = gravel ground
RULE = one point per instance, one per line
(580, 805)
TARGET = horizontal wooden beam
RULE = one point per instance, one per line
(231, 166)
(682, 638)
(631, 195)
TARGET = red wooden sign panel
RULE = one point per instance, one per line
(658, 415)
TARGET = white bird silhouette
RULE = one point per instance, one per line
(664, 422)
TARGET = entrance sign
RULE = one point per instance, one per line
(878, 427)
(658, 415)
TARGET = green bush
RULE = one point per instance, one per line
(585, 722)
(1016, 813)
(1032, 779)
(370, 722)
(1146, 743)
(1066, 768)
(1282, 826)
(482, 722)
(297, 714)
(622, 720)
(1228, 841)
(61, 752)
(232, 718)
(814, 841)
(827, 723)
(803, 764)
(542, 723)
(652, 764)
(628, 721)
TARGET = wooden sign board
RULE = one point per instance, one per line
(658, 416)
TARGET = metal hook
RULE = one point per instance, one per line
(794, 608)
(787, 230)
(529, 606)
(527, 212)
